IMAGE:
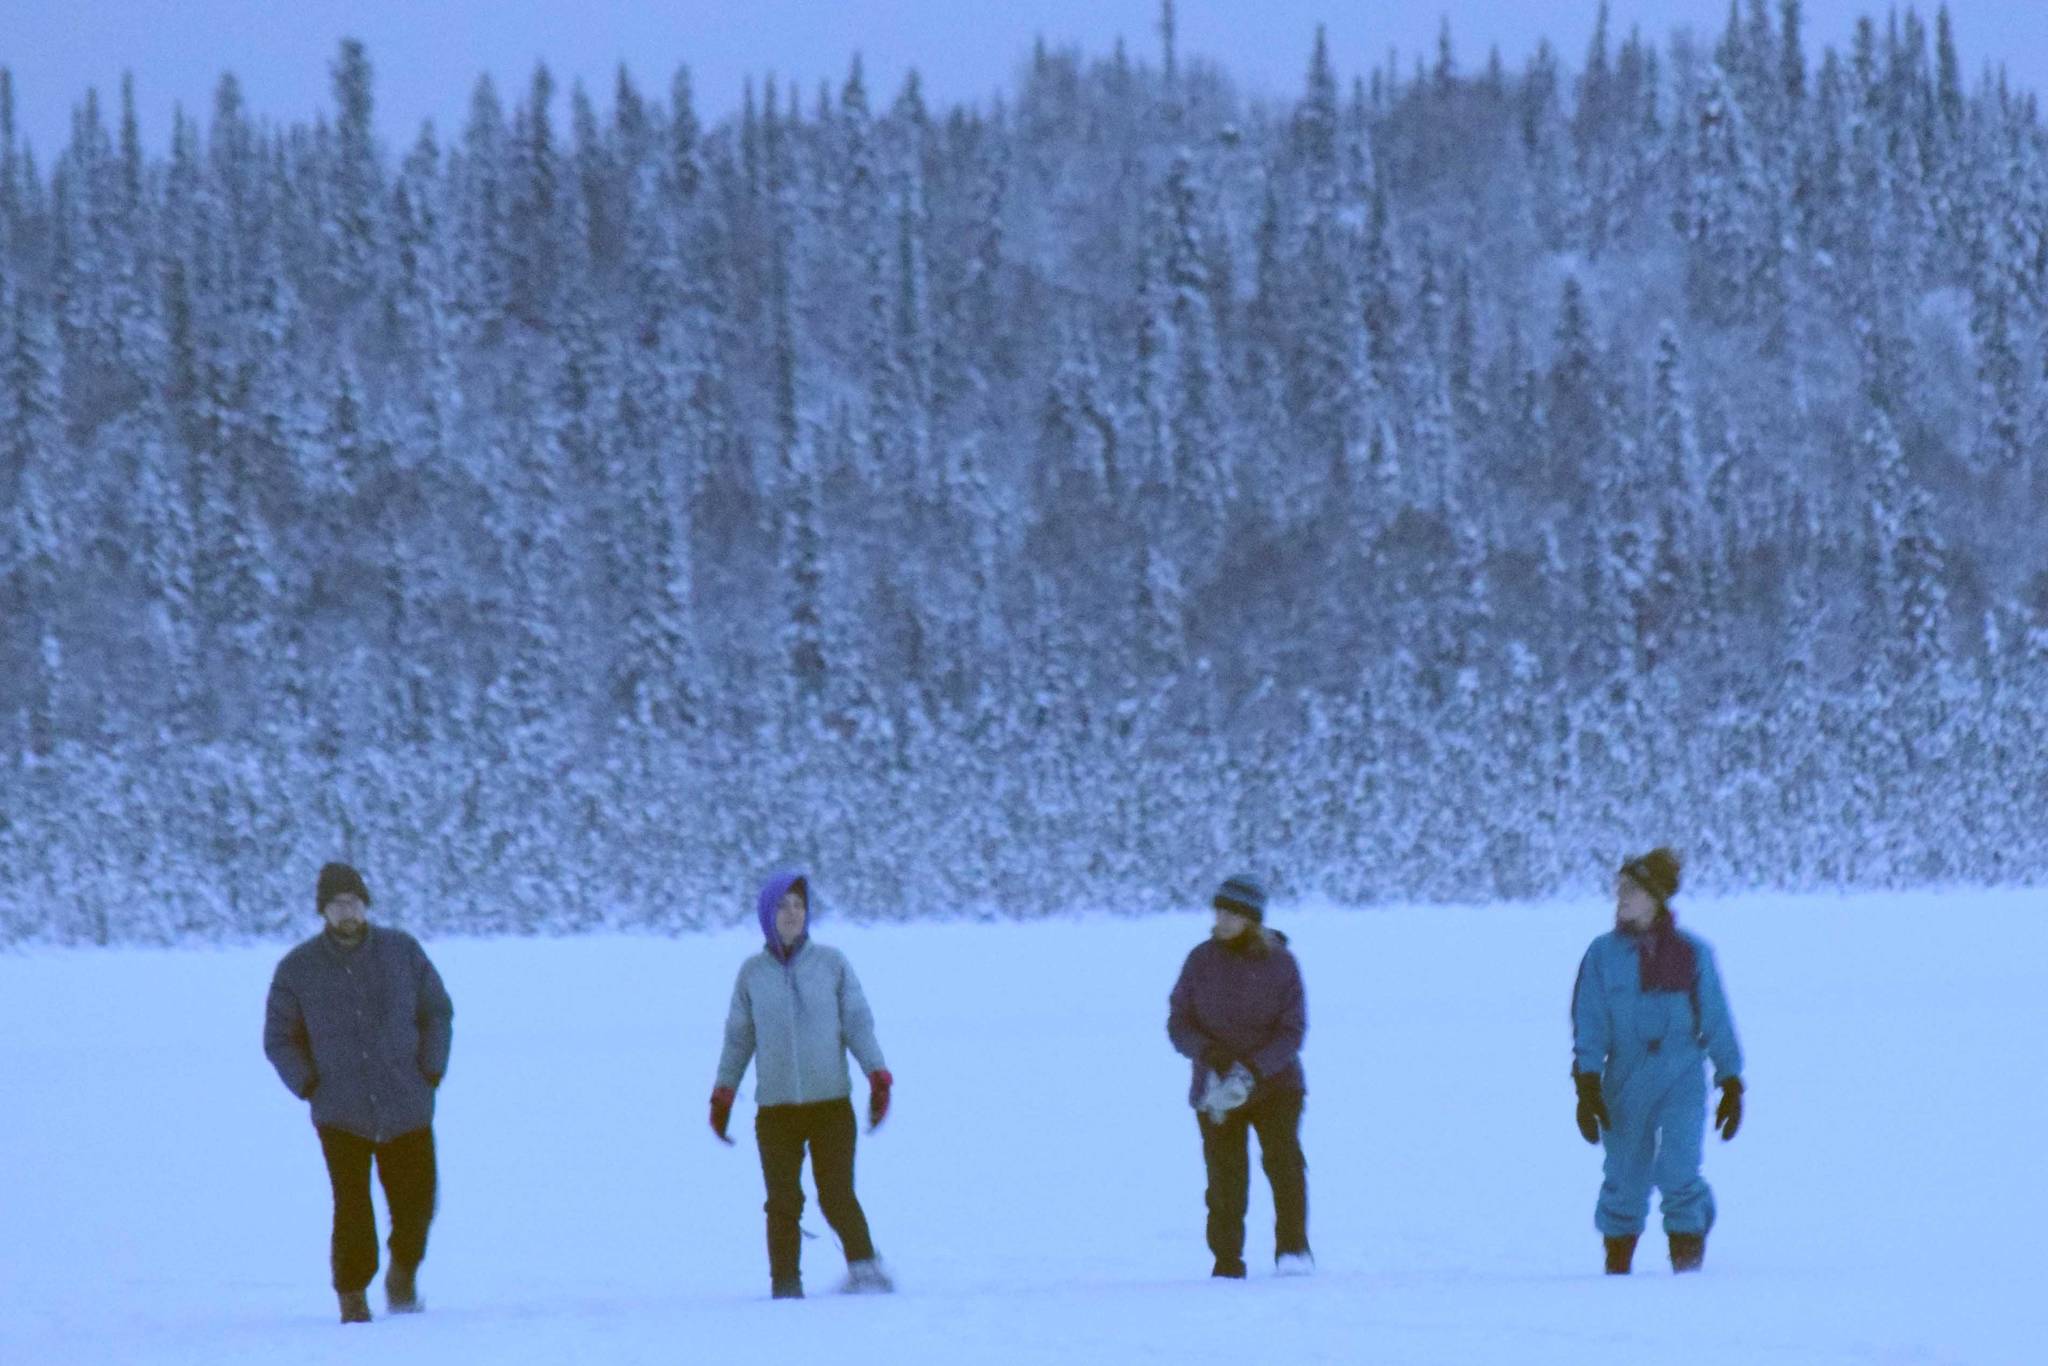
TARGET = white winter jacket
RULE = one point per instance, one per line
(798, 1018)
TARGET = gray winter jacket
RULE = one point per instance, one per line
(798, 1017)
(362, 1033)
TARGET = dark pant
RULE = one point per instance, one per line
(828, 1128)
(405, 1168)
(1277, 1117)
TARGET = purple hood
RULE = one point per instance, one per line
(771, 896)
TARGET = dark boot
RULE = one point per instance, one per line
(1688, 1251)
(1229, 1271)
(401, 1290)
(355, 1307)
(1621, 1254)
(790, 1289)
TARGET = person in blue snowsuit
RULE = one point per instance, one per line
(1647, 1013)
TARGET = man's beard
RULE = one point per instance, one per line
(350, 933)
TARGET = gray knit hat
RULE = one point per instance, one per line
(1241, 895)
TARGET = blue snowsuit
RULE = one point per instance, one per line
(1648, 1046)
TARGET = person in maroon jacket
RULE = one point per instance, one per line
(1239, 1013)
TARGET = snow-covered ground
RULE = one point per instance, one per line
(1039, 1188)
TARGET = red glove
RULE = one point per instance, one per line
(721, 1112)
(879, 1082)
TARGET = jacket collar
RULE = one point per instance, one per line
(1255, 943)
(341, 952)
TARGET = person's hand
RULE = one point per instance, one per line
(721, 1112)
(879, 1082)
(1226, 1091)
(1218, 1059)
(1728, 1114)
(1592, 1114)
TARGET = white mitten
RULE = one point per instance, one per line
(1226, 1091)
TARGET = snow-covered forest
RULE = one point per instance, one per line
(1423, 486)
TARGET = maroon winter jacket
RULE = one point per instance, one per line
(1245, 998)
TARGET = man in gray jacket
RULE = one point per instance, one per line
(359, 1024)
(798, 1008)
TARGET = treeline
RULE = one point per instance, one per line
(1422, 488)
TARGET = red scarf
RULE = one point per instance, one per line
(1665, 955)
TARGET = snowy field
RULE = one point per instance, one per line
(1038, 1189)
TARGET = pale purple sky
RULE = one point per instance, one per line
(425, 66)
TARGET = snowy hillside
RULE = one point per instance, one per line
(1038, 1188)
(1494, 461)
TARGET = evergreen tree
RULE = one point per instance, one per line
(484, 263)
(1676, 463)
(911, 342)
(1377, 287)
(600, 185)
(1908, 556)
(803, 664)
(32, 554)
(658, 668)
(686, 164)
(1792, 52)
(1200, 463)
(1168, 33)
(1949, 88)
(358, 177)
(533, 225)
(160, 515)
(10, 162)
(1577, 408)
(1118, 415)
(1462, 359)
(1719, 217)
(1314, 132)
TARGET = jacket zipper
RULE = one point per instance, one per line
(795, 1040)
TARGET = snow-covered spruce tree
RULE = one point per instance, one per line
(535, 222)
(1193, 474)
(32, 478)
(1723, 221)
(479, 176)
(355, 204)
(10, 159)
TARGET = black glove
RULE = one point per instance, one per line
(1728, 1115)
(1592, 1107)
(1218, 1059)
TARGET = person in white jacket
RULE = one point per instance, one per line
(797, 1009)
